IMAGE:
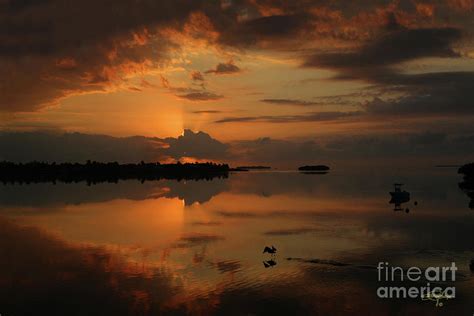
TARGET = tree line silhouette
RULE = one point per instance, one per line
(96, 172)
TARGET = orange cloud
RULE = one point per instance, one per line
(461, 5)
(425, 9)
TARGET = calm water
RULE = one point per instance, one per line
(196, 247)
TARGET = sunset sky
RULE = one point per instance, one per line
(269, 81)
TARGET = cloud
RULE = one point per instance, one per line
(146, 84)
(309, 117)
(272, 27)
(434, 94)
(77, 147)
(431, 94)
(197, 76)
(430, 145)
(200, 96)
(276, 151)
(198, 145)
(293, 102)
(207, 112)
(190, 93)
(209, 223)
(461, 5)
(401, 94)
(63, 55)
(224, 69)
(393, 47)
(433, 144)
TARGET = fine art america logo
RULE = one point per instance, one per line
(431, 292)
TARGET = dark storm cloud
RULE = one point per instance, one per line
(423, 144)
(224, 69)
(272, 27)
(422, 94)
(275, 25)
(293, 102)
(394, 47)
(76, 147)
(275, 151)
(426, 144)
(425, 95)
(309, 117)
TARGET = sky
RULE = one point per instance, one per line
(250, 81)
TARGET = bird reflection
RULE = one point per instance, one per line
(269, 263)
(399, 197)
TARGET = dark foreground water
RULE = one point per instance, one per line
(196, 247)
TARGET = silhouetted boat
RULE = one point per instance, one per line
(399, 197)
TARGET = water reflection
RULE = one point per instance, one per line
(468, 188)
(196, 247)
(52, 196)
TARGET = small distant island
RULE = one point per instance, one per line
(314, 168)
(96, 172)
